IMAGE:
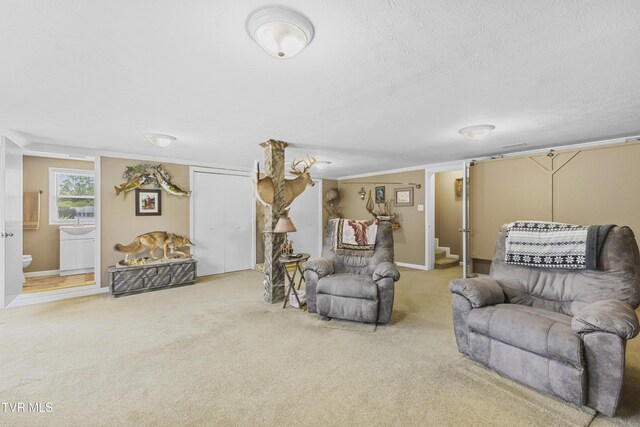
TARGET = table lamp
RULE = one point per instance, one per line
(285, 225)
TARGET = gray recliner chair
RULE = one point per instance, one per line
(563, 332)
(353, 287)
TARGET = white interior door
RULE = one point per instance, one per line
(10, 221)
(222, 222)
(306, 215)
(238, 201)
(208, 223)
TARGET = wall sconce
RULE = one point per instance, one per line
(362, 193)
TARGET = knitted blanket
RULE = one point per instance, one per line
(554, 245)
(354, 237)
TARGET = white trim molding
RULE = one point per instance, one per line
(414, 266)
(79, 151)
(385, 172)
(56, 295)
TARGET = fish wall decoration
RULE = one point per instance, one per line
(148, 174)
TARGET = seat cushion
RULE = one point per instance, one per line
(539, 331)
(348, 285)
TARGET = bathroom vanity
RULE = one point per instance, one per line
(77, 249)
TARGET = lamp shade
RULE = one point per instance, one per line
(284, 225)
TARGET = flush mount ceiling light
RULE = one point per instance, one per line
(281, 32)
(322, 164)
(477, 132)
(160, 140)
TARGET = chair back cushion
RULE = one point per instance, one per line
(383, 252)
(568, 291)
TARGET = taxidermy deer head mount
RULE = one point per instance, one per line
(292, 187)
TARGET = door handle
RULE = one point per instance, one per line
(9, 234)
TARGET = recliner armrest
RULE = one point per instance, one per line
(322, 266)
(480, 291)
(613, 316)
(386, 269)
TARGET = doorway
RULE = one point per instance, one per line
(31, 243)
(448, 204)
(59, 222)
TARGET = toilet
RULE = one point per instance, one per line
(26, 261)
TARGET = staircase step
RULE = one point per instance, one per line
(442, 263)
(440, 253)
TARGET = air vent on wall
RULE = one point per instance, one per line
(520, 144)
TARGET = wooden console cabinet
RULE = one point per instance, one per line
(143, 278)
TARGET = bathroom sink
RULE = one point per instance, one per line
(77, 230)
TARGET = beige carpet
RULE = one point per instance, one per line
(214, 354)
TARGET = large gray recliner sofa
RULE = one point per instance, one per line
(563, 332)
(353, 287)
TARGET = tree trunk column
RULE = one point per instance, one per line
(273, 275)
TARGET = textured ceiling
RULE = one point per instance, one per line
(383, 85)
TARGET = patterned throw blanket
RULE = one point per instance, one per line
(554, 245)
(353, 237)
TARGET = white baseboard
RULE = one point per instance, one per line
(414, 266)
(42, 273)
(55, 295)
(77, 271)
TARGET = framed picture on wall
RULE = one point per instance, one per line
(380, 196)
(403, 196)
(148, 202)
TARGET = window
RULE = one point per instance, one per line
(71, 196)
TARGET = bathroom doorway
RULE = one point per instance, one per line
(59, 222)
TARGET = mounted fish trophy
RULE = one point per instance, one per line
(144, 174)
(292, 187)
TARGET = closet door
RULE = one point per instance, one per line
(209, 222)
(238, 208)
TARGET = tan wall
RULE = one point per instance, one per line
(119, 222)
(327, 184)
(44, 244)
(409, 239)
(590, 186)
(448, 212)
(503, 191)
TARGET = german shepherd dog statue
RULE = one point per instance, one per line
(168, 242)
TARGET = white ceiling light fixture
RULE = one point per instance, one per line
(477, 132)
(160, 140)
(281, 32)
(322, 164)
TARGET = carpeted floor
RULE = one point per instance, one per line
(215, 354)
